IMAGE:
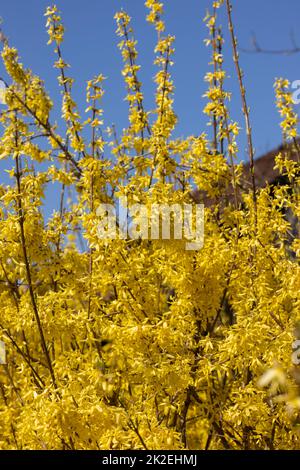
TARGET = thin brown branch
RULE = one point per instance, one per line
(27, 265)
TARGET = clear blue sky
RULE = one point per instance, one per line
(91, 48)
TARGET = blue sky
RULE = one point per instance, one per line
(91, 47)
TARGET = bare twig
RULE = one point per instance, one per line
(257, 49)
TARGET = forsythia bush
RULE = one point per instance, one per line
(133, 343)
